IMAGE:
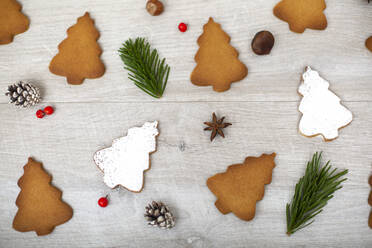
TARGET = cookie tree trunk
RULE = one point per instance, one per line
(217, 61)
(79, 54)
(40, 207)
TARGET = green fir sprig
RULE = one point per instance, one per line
(146, 69)
(312, 193)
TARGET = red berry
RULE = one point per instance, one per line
(182, 27)
(40, 114)
(48, 110)
(103, 202)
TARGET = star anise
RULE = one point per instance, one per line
(216, 126)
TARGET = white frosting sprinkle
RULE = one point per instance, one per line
(321, 108)
(126, 160)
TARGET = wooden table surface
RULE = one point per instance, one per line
(263, 109)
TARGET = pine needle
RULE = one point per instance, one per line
(312, 193)
(146, 69)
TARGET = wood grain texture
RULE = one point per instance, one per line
(262, 109)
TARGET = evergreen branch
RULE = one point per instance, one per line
(312, 193)
(146, 69)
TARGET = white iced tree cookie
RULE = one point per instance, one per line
(322, 111)
(126, 160)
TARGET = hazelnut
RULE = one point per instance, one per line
(263, 42)
(369, 46)
(154, 7)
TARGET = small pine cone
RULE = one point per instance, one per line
(158, 214)
(23, 94)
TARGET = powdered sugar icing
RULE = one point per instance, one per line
(321, 108)
(126, 160)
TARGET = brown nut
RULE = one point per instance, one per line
(263, 42)
(154, 7)
(369, 43)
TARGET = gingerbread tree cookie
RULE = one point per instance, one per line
(12, 21)
(370, 202)
(302, 14)
(40, 207)
(79, 54)
(242, 185)
(217, 61)
(125, 162)
(369, 43)
(322, 111)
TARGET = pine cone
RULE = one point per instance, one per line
(158, 214)
(23, 94)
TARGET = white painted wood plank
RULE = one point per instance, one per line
(338, 52)
(65, 143)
